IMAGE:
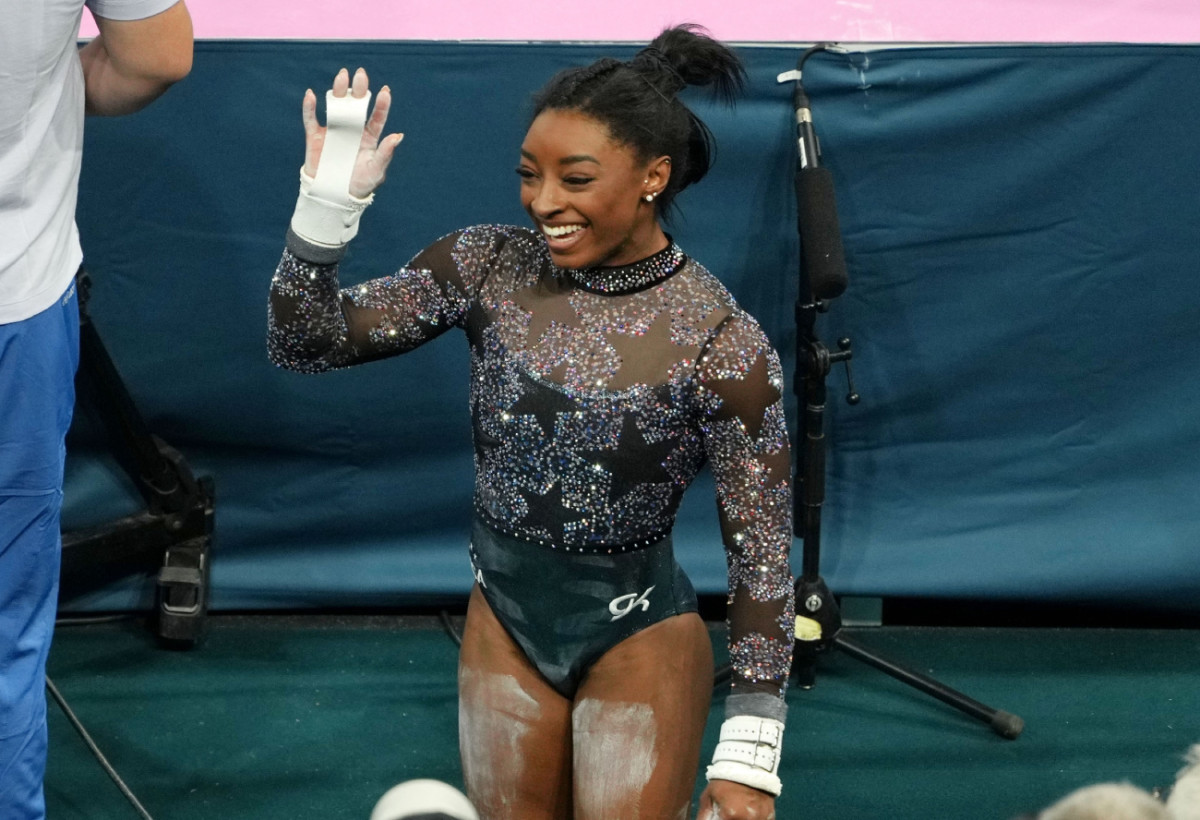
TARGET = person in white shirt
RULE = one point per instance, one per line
(47, 84)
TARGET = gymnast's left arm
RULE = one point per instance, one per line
(746, 439)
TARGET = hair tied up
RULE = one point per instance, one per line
(656, 60)
(636, 100)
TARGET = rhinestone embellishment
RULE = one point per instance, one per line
(640, 275)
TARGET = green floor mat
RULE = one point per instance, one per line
(315, 717)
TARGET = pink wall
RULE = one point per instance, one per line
(1144, 21)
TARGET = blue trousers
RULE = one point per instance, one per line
(38, 358)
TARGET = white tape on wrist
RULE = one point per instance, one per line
(326, 223)
(749, 752)
(326, 213)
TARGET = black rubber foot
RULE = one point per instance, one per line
(1007, 725)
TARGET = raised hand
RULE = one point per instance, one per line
(374, 152)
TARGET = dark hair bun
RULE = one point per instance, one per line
(689, 54)
(637, 100)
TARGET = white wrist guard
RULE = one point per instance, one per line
(326, 214)
(749, 752)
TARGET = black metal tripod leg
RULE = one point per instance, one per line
(804, 665)
(1003, 723)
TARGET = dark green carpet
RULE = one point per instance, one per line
(313, 717)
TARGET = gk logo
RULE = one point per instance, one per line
(623, 605)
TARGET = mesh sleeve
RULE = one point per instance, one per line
(314, 324)
(745, 435)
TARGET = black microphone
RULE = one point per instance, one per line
(820, 234)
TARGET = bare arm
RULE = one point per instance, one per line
(132, 62)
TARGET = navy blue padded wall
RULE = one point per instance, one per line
(1020, 231)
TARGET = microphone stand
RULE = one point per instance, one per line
(818, 621)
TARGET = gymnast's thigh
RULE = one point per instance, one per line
(638, 724)
(514, 729)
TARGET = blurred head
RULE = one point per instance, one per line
(1184, 800)
(607, 135)
(1107, 801)
(423, 800)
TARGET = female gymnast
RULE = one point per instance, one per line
(607, 367)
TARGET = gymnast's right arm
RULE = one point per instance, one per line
(314, 324)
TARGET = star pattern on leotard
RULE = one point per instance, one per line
(559, 392)
(585, 461)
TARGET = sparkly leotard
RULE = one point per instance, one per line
(596, 397)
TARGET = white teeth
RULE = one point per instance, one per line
(558, 231)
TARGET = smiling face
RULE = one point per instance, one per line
(586, 192)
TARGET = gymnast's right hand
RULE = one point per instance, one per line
(374, 154)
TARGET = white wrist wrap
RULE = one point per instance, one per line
(326, 214)
(749, 752)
